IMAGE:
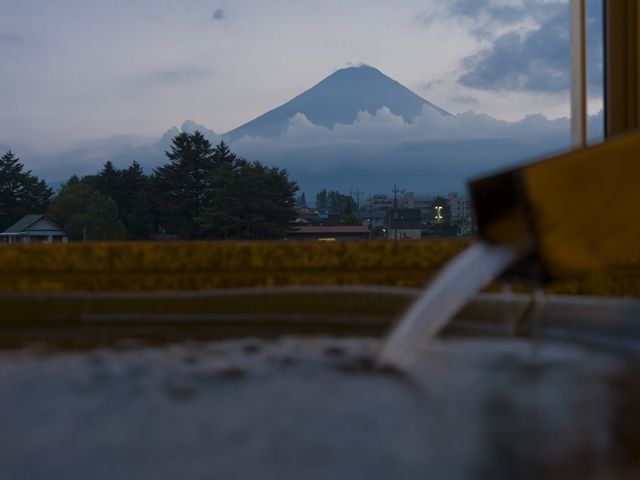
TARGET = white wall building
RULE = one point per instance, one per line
(34, 229)
(459, 207)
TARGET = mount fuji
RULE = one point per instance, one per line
(338, 99)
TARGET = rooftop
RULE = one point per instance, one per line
(25, 224)
(337, 229)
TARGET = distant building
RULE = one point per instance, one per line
(424, 203)
(329, 234)
(460, 208)
(404, 200)
(376, 218)
(404, 224)
(313, 217)
(379, 202)
(34, 229)
(456, 210)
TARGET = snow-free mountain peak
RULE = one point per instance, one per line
(338, 99)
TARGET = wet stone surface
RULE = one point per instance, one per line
(309, 408)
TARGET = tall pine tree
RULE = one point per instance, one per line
(182, 187)
(21, 193)
(206, 192)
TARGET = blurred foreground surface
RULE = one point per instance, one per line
(315, 408)
(173, 266)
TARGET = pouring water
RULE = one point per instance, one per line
(445, 296)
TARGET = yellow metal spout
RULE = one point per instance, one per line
(580, 210)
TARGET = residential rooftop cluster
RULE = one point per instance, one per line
(401, 216)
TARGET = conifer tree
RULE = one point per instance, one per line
(133, 193)
(182, 187)
(140, 218)
(21, 193)
(206, 192)
(222, 154)
(301, 201)
(108, 180)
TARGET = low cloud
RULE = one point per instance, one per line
(383, 127)
(434, 153)
(465, 99)
(190, 126)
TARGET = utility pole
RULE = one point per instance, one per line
(372, 233)
(396, 191)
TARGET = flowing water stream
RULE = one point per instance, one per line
(452, 288)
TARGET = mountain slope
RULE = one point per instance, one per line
(338, 99)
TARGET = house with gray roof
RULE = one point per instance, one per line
(38, 228)
(404, 224)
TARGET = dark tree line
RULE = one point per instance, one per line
(209, 192)
(202, 192)
(339, 204)
(21, 193)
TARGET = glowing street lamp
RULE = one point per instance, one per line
(439, 216)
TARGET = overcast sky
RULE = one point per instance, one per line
(74, 70)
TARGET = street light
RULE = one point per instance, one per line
(439, 216)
